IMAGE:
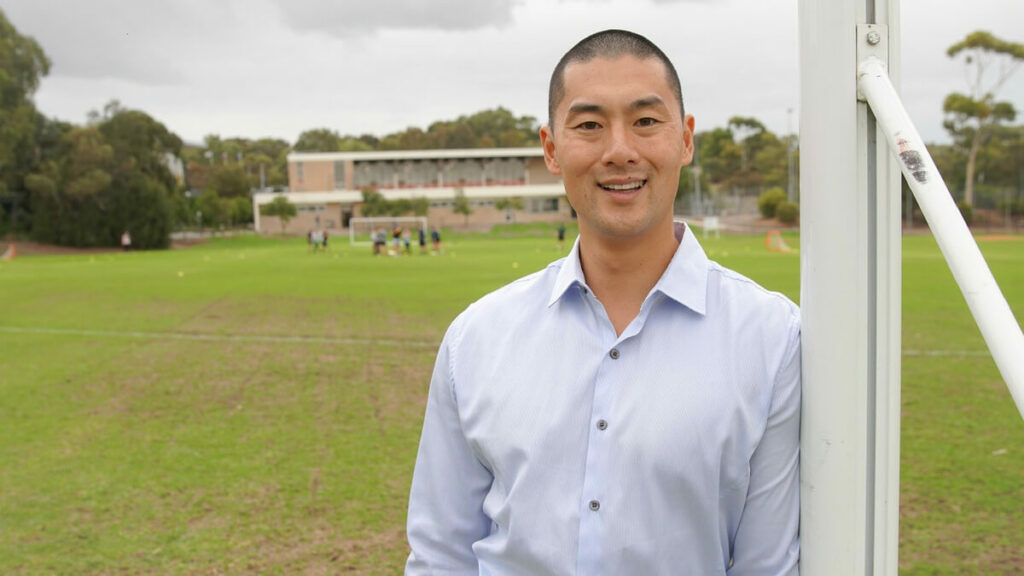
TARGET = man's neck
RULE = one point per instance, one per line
(622, 272)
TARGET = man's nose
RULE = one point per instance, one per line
(620, 149)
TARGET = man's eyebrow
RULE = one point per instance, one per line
(583, 108)
(648, 102)
(651, 101)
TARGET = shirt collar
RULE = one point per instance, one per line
(684, 280)
(570, 274)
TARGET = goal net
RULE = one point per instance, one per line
(362, 229)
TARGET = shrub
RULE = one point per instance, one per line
(283, 209)
(214, 212)
(239, 210)
(787, 212)
(769, 200)
(155, 223)
(139, 203)
(1015, 207)
(183, 209)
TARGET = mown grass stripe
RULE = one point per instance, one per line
(217, 337)
(328, 340)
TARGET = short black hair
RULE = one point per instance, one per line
(609, 44)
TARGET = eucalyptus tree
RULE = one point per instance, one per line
(988, 63)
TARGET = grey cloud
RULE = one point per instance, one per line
(355, 18)
(113, 39)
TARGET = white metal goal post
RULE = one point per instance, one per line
(361, 228)
(850, 294)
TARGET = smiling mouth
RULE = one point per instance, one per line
(627, 187)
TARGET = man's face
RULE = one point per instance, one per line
(619, 142)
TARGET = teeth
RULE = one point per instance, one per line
(620, 187)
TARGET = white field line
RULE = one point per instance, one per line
(217, 337)
(962, 353)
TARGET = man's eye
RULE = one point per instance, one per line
(646, 122)
(589, 125)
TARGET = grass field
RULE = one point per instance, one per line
(245, 406)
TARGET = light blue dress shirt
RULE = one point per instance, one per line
(553, 446)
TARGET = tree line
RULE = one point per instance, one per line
(78, 185)
(986, 161)
(83, 185)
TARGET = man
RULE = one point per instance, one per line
(396, 239)
(633, 409)
(378, 241)
(435, 239)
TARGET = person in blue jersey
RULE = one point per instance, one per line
(633, 408)
(435, 239)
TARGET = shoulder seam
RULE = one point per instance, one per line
(737, 277)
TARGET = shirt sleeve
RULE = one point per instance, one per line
(449, 483)
(767, 539)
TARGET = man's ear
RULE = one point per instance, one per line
(547, 142)
(688, 142)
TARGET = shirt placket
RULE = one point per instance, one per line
(595, 508)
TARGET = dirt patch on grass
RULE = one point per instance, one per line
(337, 317)
(37, 249)
(179, 243)
(350, 554)
(930, 537)
(27, 248)
(322, 552)
(398, 385)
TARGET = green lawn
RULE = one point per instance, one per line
(245, 406)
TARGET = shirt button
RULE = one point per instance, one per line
(614, 353)
(602, 424)
(595, 505)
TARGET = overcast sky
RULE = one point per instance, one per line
(273, 68)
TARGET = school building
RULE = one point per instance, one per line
(326, 187)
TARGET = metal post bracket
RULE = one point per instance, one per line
(872, 42)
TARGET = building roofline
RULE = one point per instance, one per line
(435, 154)
(447, 193)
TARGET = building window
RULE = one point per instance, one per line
(339, 175)
(372, 174)
(298, 171)
(543, 205)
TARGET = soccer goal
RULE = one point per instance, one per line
(361, 230)
(711, 225)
